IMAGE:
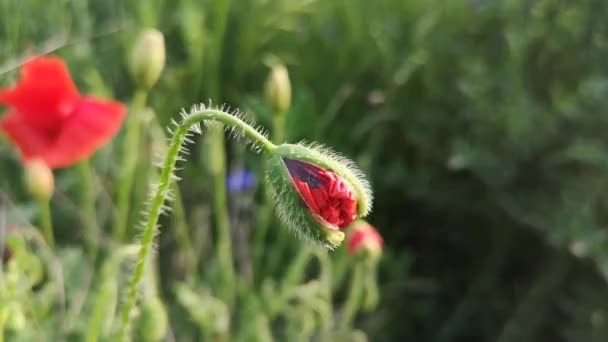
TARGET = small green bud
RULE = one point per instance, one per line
(317, 192)
(153, 322)
(147, 58)
(39, 179)
(278, 89)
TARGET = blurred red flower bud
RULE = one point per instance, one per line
(39, 179)
(363, 237)
(48, 119)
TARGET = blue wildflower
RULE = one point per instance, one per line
(240, 180)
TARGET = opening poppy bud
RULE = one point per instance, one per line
(147, 58)
(364, 239)
(39, 179)
(317, 193)
(278, 89)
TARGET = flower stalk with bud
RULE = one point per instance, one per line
(146, 63)
(40, 183)
(364, 243)
(316, 191)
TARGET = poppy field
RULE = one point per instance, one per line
(283, 170)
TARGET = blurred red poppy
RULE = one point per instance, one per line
(362, 236)
(49, 120)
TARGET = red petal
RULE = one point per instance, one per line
(307, 196)
(93, 123)
(320, 198)
(45, 94)
(30, 140)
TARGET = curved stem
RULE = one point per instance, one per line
(165, 180)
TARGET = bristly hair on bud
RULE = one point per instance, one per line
(316, 191)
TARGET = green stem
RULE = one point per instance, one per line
(88, 203)
(353, 299)
(46, 221)
(107, 290)
(220, 211)
(128, 163)
(165, 180)
(293, 276)
(219, 11)
(3, 317)
(181, 232)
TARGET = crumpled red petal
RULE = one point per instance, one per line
(93, 123)
(45, 93)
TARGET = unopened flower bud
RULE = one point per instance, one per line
(364, 239)
(39, 179)
(153, 322)
(317, 193)
(278, 89)
(147, 58)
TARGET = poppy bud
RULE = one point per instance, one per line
(316, 192)
(278, 89)
(39, 179)
(364, 239)
(147, 58)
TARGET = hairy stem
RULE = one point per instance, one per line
(161, 192)
(128, 165)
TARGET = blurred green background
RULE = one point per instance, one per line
(481, 125)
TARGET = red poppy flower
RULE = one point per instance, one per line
(363, 236)
(324, 192)
(48, 118)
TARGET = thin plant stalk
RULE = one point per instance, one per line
(46, 221)
(353, 300)
(107, 290)
(88, 203)
(219, 10)
(220, 212)
(160, 194)
(128, 166)
(3, 317)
